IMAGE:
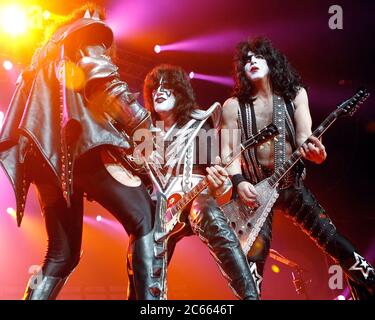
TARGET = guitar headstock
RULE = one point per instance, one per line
(350, 106)
(262, 136)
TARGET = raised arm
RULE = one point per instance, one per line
(314, 150)
(105, 92)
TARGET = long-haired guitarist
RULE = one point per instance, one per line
(179, 161)
(267, 89)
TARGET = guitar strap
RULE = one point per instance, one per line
(282, 116)
(160, 261)
(180, 151)
(201, 117)
(278, 119)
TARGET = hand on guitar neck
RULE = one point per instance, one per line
(313, 150)
(216, 176)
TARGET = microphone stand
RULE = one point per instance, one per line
(297, 274)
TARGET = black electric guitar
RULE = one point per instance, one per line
(247, 222)
(173, 221)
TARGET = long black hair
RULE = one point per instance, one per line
(177, 80)
(285, 81)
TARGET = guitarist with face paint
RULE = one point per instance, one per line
(268, 90)
(178, 161)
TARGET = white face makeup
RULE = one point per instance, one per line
(163, 98)
(256, 67)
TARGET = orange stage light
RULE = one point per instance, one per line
(275, 268)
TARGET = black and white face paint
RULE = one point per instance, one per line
(163, 98)
(256, 66)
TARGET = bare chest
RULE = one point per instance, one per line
(263, 113)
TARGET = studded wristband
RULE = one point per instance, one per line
(237, 179)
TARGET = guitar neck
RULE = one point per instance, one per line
(271, 131)
(203, 184)
(296, 155)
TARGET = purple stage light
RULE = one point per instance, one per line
(226, 81)
(191, 75)
(132, 18)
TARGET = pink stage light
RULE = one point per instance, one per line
(191, 75)
(1, 118)
(211, 43)
(226, 81)
(130, 18)
(157, 48)
(98, 218)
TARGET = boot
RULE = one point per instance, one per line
(47, 289)
(171, 244)
(209, 223)
(130, 294)
(146, 279)
(361, 278)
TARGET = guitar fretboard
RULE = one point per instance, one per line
(262, 135)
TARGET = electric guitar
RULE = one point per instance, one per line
(173, 216)
(247, 222)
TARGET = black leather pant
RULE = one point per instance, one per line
(298, 203)
(208, 222)
(132, 206)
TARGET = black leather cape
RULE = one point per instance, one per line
(49, 115)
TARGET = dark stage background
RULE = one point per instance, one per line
(201, 35)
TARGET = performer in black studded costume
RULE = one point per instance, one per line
(268, 90)
(65, 131)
